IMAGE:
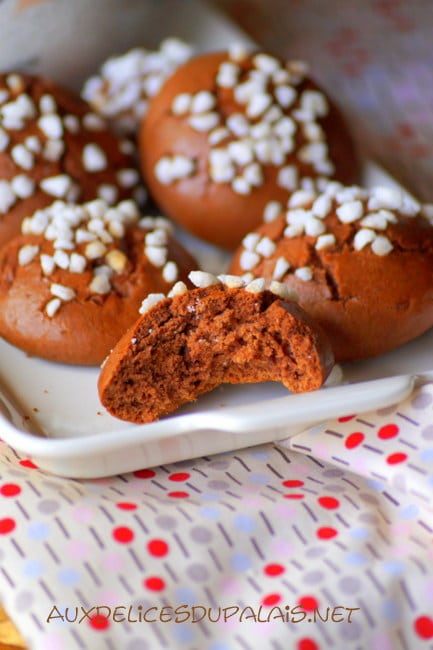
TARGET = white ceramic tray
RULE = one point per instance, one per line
(51, 412)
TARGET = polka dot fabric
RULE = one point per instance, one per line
(338, 518)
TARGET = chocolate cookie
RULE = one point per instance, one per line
(361, 262)
(73, 281)
(229, 134)
(224, 331)
(53, 146)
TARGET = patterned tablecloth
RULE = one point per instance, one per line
(323, 542)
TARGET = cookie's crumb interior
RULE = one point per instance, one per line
(186, 347)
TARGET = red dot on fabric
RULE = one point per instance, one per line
(354, 440)
(293, 483)
(154, 583)
(398, 457)
(179, 476)
(294, 495)
(125, 505)
(10, 490)
(157, 547)
(144, 473)
(328, 502)
(123, 534)
(271, 599)
(346, 418)
(424, 627)
(309, 603)
(274, 569)
(178, 494)
(28, 463)
(99, 622)
(388, 431)
(307, 644)
(6, 525)
(326, 532)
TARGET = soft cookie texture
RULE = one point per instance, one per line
(122, 88)
(73, 281)
(220, 332)
(231, 134)
(361, 262)
(53, 146)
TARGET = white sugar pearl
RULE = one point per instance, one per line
(62, 292)
(47, 104)
(23, 186)
(156, 255)
(203, 102)
(170, 272)
(94, 158)
(241, 186)
(22, 157)
(52, 307)
(156, 237)
(294, 230)
(248, 260)
(304, 273)
(27, 254)
(285, 95)
(350, 211)
(95, 249)
(56, 185)
(228, 74)
(283, 291)
(4, 139)
(100, 285)
(258, 104)
(266, 247)
(381, 246)
(47, 263)
(288, 177)
(77, 263)
(362, 238)
(178, 289)
(253, 174)
(301, 198)
(202, 279)
(241, 152)
(250, 241)
(374, 220)
(150, 301)
(266, 63)
(61, 259)
(238, 124)
(314, 227)
(256, 286)
(272, 210)
(51, 125)
(322, 206)
(325, 241)
(163, 172)
(231, 281)
(7, 196)
(280, 269)
(204, 121)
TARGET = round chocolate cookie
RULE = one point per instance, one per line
(361, 262)
(73, 281)
(53, 146)
(230, 132)
(122, 88)
(223, 331)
